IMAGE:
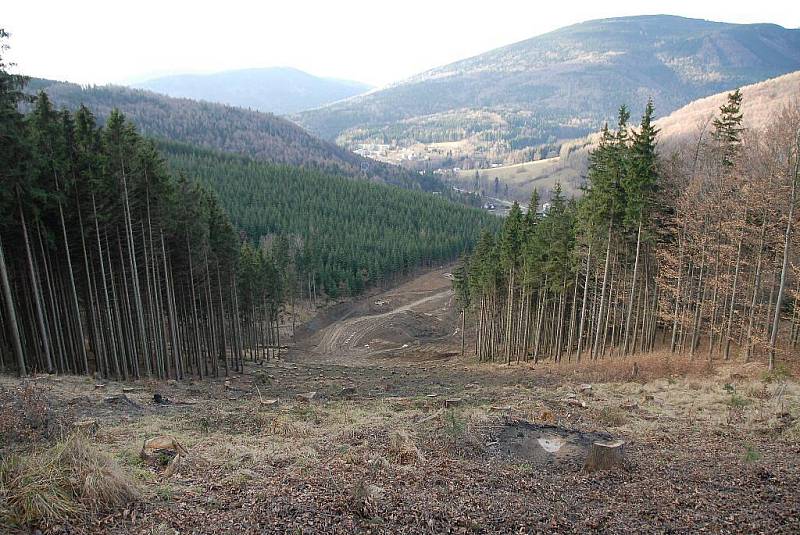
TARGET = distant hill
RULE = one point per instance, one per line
(279, 90)
(521, 101)
(228, 129)
(761, 102)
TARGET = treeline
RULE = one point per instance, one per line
(688, 252)
(343, 235)
(261, 136)
(109, 264)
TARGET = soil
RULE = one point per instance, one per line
(416, 318)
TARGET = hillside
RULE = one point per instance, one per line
(353, 234)
(262, 136)
(761, 102)
(279, 90)
(520, 101)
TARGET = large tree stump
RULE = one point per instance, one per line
(604, 456)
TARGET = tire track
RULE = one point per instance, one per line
(345, 337)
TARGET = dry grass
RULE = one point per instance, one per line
(67, 480)
(403, 448)
(637, 368)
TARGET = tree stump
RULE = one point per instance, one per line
(604, 456)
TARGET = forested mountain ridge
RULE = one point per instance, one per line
(225, 128)
(761, 103)
(516, 102)
(278, 90)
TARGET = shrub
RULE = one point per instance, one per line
(27, 415)
(780, 373)
(454, 425)
(738, 402)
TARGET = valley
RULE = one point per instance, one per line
(550, 287)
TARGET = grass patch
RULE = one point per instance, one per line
(738, 402)
(611, 416)
(165, 493)
(70, 479)
(751, 455)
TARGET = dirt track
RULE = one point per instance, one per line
(417, 318)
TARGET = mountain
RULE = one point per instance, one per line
(261, 136)
(518, 103)
(279, 90)
(761, 103)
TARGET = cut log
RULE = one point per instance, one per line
(605, 456)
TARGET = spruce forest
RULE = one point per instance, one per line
(213, 321)
(123, 250)
(692, 252)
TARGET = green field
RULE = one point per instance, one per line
(522, 178)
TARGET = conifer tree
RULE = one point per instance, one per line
(728, 128)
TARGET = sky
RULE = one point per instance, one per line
(377, 42)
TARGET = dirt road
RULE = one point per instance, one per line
(417, 318)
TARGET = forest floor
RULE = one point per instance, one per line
(417, 439)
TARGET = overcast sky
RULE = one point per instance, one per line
(372, 41)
